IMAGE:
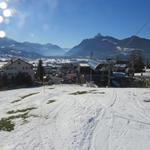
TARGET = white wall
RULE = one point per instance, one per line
(19, 66)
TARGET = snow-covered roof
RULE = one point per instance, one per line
(2, 64)
(120, 65)
(94, 64)
(83, 65)
(14, 61)
(145, 74)
(147, 70)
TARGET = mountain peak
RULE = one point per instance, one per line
(104, 46)
(135, 37)
(99, 35)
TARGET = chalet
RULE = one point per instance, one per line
(95, 71)
(120, 66)
(83, 72)
(83, 68)
(145, 73)
(12, 68)
(101, 70)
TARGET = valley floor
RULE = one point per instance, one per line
(66, 117)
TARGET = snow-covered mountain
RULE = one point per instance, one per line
(71, 117)
(28, 49)
(10, 52)
(99, 46)
(107, 46)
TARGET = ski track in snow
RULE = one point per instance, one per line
(101, 119)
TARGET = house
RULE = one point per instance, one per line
(83, 72)
(120, 66)
(95, 71)
(144, 77)
(101, 71)
(13, 67)
(83, 68)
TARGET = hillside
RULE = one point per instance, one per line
(65, 117)
(28, 49)
(107, 46)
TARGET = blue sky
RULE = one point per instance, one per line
(68, 22)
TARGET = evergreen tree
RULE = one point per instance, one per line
(40, 71)
(136, 61)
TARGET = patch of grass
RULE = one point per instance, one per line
(93, 90)
(98, 92)
(147, 100)
(23, 97)
(85, 92)
(25, 116)
(22, 116)
(6, 125)
(79, 93)
(51, 88)
(21, 110)
(28, 95)
(51, 101)
(15, 101)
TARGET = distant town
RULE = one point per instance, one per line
(134, 72)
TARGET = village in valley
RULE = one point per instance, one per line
(19, 72)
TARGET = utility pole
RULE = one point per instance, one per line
(90, 75)
(44, 77)
(91, 57)
(109, 72)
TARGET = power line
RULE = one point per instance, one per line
(138, 31)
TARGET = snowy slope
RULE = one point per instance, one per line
(79, 118)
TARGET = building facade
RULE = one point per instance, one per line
(12, 68)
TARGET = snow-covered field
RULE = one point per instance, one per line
(66, 117)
